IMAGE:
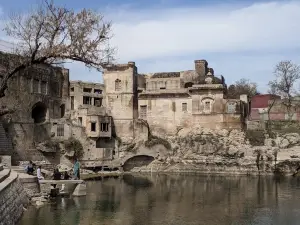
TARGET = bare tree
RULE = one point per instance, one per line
(53, 35)
(286, 76)
(242, 86)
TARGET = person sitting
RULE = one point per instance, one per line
(56, 176)
(39, 173)
(29, 168)
(66, 175)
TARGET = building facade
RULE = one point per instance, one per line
(39, 95)
(169, 101)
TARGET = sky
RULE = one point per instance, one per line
(239, 39)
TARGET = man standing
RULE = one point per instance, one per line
(76, 170)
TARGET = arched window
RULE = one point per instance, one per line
(117, 85)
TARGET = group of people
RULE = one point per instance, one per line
(57, 175)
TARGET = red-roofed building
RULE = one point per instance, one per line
(259, 106)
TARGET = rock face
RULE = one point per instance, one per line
(223, 151)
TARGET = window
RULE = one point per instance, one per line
(97, 91)
(29, 84)
(36, 84)
(55, 89)
(72, 89)
(118, 85)
(87, 100)
(88, 90)
(44, 87)
(207, 106)
(93, 126)
(80, 120)
(184, 107)
(60, 130)
(104, 127)
(143, 111)
(98, 102)
(72, 102)
(230, 107)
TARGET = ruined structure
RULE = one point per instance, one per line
(40, 96)
(171, 101)
(87, 110)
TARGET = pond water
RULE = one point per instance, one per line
(177, 200)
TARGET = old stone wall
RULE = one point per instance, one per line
(169, 114)
(13, 199)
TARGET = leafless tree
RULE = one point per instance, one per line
(286, 75)
(242, 86)
(53, 35)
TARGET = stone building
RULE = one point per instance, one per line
(39, 95)
(172, 100)
(88, 110)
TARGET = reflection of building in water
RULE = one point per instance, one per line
(175, 199)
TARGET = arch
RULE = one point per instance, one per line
(118, 85)
(188, 84)
(39, 112)
(137, 161)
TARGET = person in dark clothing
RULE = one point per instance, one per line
(66, 176)
(56, 176)
(30, 168)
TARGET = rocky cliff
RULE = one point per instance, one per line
(220, 151)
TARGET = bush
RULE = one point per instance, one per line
(154, 140)
(131, 148)
(256, 137)
(73, 144)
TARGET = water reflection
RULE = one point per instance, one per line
(177, 200)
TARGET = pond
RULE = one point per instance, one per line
(161, 199)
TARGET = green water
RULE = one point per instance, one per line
(177, 200)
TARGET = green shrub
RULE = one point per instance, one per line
(73, 144)
(256, 137)
(131, 148)
(154, 140)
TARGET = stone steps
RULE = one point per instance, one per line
(4, 174)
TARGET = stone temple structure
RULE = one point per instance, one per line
(170, 100)
(103, 117)
(40, 95)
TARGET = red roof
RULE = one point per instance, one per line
(261, 101)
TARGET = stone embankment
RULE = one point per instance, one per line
(13, 197)
(221, 151)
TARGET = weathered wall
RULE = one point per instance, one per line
(121, 96)
(171, 113)
(38, 95)
(12, 200)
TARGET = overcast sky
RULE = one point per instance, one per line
(239, 39)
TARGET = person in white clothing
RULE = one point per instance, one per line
(39, 173)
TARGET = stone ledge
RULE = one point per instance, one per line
(8, 180)
(4, 174)
(25, 178)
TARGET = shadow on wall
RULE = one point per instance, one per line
(137, 161)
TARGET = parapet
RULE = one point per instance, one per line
(120, 67)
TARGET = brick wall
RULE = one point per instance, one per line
(12, 200)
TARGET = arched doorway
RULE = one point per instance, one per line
(137, 161)
(39, 112)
